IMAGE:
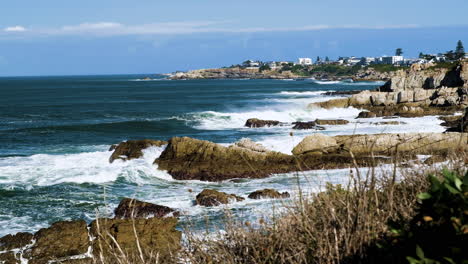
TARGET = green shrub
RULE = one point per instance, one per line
(438, 233)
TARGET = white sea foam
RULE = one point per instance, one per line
(211, 120)
(328, 82)
(90, 167)
(303, 93)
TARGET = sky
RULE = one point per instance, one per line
(56, 37)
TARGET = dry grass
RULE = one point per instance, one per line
(337, 225)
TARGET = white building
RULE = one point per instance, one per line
(304, 61)
(392, 60)
(352, 60)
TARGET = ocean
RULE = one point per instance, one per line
(55, 133)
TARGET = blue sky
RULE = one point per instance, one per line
(56, 37)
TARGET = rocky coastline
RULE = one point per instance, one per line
(418, 91)
(241, 73)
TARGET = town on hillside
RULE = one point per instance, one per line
(397, 60)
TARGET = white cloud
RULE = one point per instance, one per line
(15, 29)
(184, 27)
(92, 26)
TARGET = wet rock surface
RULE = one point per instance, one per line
(131, 208)
(192, 159)
(210, 197)
(255, 123)
(77, 242)
(155, 236)
(322, 122)
(60, 240)
(307, 125)
(132, 149)
(268, 193)
(18, 240)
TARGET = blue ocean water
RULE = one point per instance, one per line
(55, 133)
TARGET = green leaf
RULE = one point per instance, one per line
(412, 260)
(419, 252)
(458, 183)
(451, 189)
(449, 260)
(424, 196)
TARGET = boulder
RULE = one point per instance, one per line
(255, 122)
(366, 114)
(152, 237)
(322, 122)
(60, 240)
(362, 98)
(268, 193)
(132, 149)
(210, 197)
(18, 240)
(307, 125)
(131, 208)
(318, 143)
(192, 159)
(247, 143)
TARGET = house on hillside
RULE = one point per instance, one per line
(304, 61)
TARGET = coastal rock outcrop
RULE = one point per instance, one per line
(255, 122)
(210, 197)
(131, 208)
(268, 193)
(366, 114)
(192, 159)
(155, 236)
(322, 122)
(76, 242)
(132, 149)
(307, 125)
(384, 144)
(234, 73)
(317, 143)
(247, 143)
(60, 240)
(427, 76)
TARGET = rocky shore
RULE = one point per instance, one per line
(141, 228)
(241, 73)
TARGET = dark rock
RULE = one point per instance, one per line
(214, 198)
(131, 208)
(113, 147)
(154, 236)
(9, 257)
(343, 92)
(19, 240)
(132, 149)
(450, 121)
(435, 159)
(389, 123)
(307, 125)
(192, 159)
(366, 114)
(255, 122)
(322, 122)
(61, 239)
(268, 193)
(461, 124)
